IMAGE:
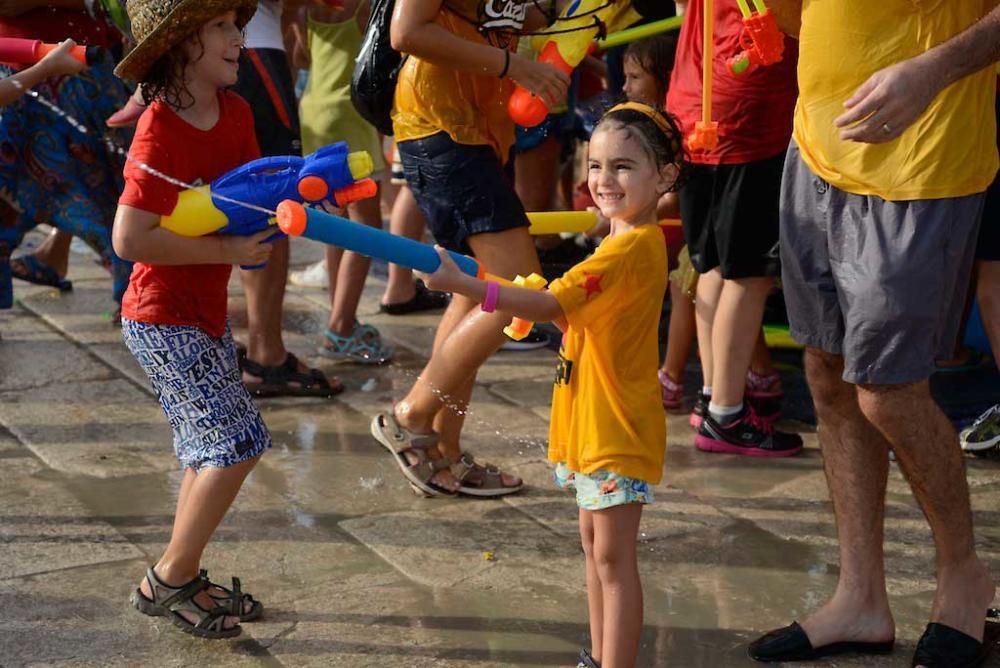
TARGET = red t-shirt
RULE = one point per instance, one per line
(754, 111)
(183, 294)
(53, 25)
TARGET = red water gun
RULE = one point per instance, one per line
(30, 51)
(762, 42)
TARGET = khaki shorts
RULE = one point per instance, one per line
(881, 283)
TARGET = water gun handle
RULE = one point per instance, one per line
(30, 51)
(761, 41)
(519, 327)
(524, 107)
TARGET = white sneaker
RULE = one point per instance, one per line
(313, 276)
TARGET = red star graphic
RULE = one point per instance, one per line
(592, 284)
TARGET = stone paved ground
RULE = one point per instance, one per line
(355, 571)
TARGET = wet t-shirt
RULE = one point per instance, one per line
(193, 295)
(471, 108)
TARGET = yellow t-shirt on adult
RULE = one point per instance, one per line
(606, 406)
(949, 151)
(471, 108)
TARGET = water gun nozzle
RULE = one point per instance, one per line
(292, 218)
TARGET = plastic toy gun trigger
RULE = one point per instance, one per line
(760, 39)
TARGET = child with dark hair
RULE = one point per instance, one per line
(174, 311)
(648, 63)
(607, 433)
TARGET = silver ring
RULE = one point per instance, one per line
(886, 128)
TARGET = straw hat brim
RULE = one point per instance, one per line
(185, 19)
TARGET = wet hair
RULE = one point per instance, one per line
(656, 56)
(662, 144)
(164, 79)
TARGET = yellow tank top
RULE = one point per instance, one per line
(949, 151)
(326, 113)
(471, 108)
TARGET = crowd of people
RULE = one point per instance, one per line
(857, 175)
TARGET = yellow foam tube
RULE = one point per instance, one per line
(195, 215)
(557, 222)
(778, 337)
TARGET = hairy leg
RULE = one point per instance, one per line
(928, 452)
(856, 463)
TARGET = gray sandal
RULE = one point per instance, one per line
(211, 623)
(400, 442)
(477, 479)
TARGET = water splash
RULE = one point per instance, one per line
(115, 147)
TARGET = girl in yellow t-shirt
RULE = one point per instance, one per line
(607, 433)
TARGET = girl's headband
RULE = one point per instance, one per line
(653, 115)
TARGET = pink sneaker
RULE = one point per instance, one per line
(763, 392)
(672, 392)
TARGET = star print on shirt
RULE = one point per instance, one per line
(592, 284)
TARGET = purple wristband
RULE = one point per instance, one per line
(492, 297)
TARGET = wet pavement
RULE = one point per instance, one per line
(356, 571)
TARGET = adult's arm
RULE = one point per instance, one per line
(894, 97)
(414, 31)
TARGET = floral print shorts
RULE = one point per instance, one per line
(602, 488)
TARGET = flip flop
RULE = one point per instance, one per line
(942, 646)
(32, 270)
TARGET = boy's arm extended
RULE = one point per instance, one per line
(138, 237)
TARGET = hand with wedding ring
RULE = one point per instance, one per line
(885, 105)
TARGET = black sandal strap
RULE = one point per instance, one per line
(178, 594)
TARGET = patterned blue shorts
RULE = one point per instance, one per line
(197, 380)
(602, 489)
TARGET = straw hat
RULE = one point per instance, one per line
(159, 25)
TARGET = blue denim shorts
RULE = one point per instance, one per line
(602, 488)
(198, 384)
(462, 189)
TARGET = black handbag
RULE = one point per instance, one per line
(373, 84)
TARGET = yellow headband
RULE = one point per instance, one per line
(653, 115)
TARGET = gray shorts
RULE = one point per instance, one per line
(881, 283)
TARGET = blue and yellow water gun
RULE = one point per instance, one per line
(331, 174)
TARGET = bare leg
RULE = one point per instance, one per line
(615, 532)
(466, 337)
(740, 309)
(408, 221)
(706, 301)
(536, 175)
(681, 334)
(204, 499)
(988, 294)
(856, 462)
(927, 450)
(760, 358)
(595, 598)
(265, 295)
(54, 251)
(347, 284)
